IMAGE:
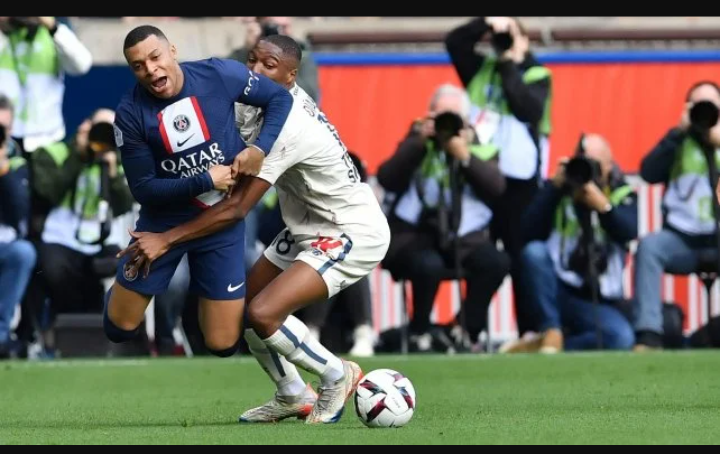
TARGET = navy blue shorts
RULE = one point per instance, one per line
(217, 267)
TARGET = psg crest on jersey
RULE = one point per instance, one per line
(130, 273)
(181, 123)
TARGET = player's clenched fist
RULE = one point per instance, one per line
(248, 162)
(222, 177)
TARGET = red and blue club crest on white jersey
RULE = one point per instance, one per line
(181, 123)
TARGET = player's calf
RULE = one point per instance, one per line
(293, 341)
(265, 319)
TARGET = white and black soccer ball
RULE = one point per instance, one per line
(385, 398)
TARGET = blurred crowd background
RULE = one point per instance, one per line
(549, 181)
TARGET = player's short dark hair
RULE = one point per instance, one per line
(140, 34)
(702, 83)
(6, 104)
(288, 46)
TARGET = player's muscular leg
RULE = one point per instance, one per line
(293, 398)
(299, 286)
(221, 324)
(270, 316)
(124, 312)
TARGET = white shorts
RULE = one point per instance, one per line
(341, 260)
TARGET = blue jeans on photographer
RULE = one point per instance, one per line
(17, 262)
(559, 307)
(664, 252)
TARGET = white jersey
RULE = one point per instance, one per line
(334, 221)
(319, 188)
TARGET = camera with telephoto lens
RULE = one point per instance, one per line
(101, 139)
(582, 170)
(447, 126)
(704, 115)
(502, 41)
(3, 135)
(439, 219)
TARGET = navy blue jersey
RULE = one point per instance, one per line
(168, 145)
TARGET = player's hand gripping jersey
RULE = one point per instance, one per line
(168, 146)
(334, 220)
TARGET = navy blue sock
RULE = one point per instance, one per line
(115, 334)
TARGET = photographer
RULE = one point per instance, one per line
(434, 191)
(17, 256)
(82, 188)
(510, 92)
(260, 27)
(588, 208)
(688, 234)
(38, 52)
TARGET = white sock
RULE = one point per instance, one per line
(285, 375)
(294, 342)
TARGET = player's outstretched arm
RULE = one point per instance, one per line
(149, 247)
(246, 87)
(252, 89)
(231, 210)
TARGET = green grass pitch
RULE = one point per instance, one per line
(569, 399)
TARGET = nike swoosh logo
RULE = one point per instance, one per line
(180, 144)
(232, 289)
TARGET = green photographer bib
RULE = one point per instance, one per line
(565, 238)
(689, 197)
(498, 128)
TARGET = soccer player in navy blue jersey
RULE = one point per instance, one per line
(336, 235)
(177, 137)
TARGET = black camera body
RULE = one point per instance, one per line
(502, 41)
(447, 126)
(3, 135)
(582, 170)
(270, 29)
(704, 115)
(101, 138)
(441, 221)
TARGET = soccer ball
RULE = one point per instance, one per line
(385, 398)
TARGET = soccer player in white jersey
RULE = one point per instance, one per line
(337, 234)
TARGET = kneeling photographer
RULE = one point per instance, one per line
(578, 230)
(680, 161)
(78, 190)
(444, 182)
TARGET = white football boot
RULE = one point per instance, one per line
(283, 407)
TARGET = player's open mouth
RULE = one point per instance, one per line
(159, 84)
